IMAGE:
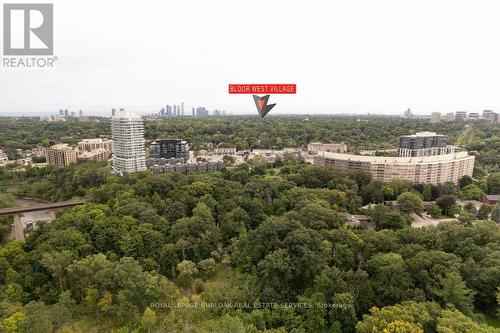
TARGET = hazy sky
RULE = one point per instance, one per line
(345, 56)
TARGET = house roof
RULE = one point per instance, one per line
(493, 197)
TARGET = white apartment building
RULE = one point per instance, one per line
(128, 143)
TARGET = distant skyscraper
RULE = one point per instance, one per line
(113, 112)
(194, 111)
(490, 116)
(435, 117)
(408, 114)
(473, 116)
(182, 108)
(127, 131)
(66, 113)
(201, 111)
(450, 116)
(80, 113)
(61, 112)
(460, 116)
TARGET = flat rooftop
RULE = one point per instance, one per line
(421, 134)
(395, 160)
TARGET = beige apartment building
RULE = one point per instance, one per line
(94, 144)
(98, 155)
(315, 147)
(61, 155)
(425, 169)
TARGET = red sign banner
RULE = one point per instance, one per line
(263, 88)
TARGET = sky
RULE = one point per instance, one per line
(358, 56)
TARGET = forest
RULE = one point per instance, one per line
(258, 247)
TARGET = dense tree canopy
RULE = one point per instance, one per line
(267, 245)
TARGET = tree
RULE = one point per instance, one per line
(344, 312)
(453, 321)
(452, 290)
(483, 212)
(465, 180)
(470, 208)
(410, 202)
(493, 183)
(56, 263)
(228, 160)
(471, 192)
(13, 292)
(386, 218)
(389, 277)
(13, 323)
(314, 315)
(427, 192)
(408, 316)
(105, 302)
(207, 268)
(276, 272)
(39, 318)
(445, 202)
(399, 326)
(498, 301)
(224, 324)
(495, 213)
(187, 271)
(148, 320)
(434, 211)
(466, 217)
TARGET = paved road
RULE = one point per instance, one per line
(420, 222)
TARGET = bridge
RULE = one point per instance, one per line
(17, 211)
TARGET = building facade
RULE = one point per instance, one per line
(432, 151)
(490, 116)
(314, 147)
(3, 158)
(473, 116)
(460, 116)
(427, 170)
(93, 144)
(422, 140)
(450, 116)
(97, 155)
(435, 117)
(424, 144)
(128, 143)
(186, 168)
(61, 155)
(224, 151)
(169, 149)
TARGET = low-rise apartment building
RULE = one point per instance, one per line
(314, 147)
(94, 144)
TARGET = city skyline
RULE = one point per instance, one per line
(378, 60)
